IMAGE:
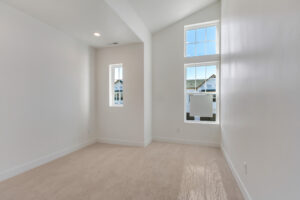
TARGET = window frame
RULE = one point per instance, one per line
(217, 64)
(204, 61)
(204, 25)
(111, 85)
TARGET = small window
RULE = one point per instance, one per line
(116, 85)
(201, 92)
(201, 39)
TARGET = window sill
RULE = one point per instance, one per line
(203, 123)
(116, 106)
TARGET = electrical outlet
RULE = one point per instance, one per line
(245, 168)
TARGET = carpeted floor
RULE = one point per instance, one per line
(161, 171)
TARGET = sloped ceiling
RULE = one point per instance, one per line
(80, 18)
(158, 14)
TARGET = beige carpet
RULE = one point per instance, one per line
(160, 171)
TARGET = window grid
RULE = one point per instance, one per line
(205, 83)
(199, 43)
(206, 76)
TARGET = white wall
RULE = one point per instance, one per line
(168, 84)
(121, 125)
(46, 89)
(126, 12)
(261, 95)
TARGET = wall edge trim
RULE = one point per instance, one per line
(184, 141)
(238, 179)
(121, 142)
(6, 174)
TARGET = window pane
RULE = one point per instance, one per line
(116, 73)
(200, 35)
(117, 98)
(190, 79)
(190, 36)
(211, 75)
(211, 70)
(121, 73)
(200, 49)
(116, 86)
(191, 86)
(214, 107)
(211, 48)
(200, 73)
(190, 50)
(187, 103)
(200, 78)
(190, 73)
(121, 86)
(211, 33)
(211, 85)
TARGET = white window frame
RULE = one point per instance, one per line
(204, 61)
(111, 85)
(204, 25)
(217, 64)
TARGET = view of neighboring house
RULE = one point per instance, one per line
(199, 86)
(118, 92)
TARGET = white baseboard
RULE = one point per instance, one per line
(236, 175)
(148, 141)
(121, 142)
(184, 141)
(42, 160)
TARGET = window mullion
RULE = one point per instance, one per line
(205, 79)
(195, 79)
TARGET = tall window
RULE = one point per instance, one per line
(116, 85)
(201, 73)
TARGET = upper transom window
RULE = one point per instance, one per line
(201, 39)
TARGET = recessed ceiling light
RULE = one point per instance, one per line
(97, 34)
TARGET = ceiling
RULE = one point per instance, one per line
(158, 14)
(80, 18)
